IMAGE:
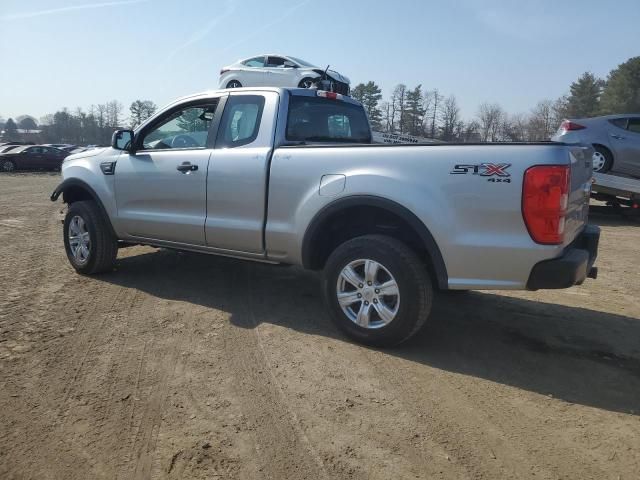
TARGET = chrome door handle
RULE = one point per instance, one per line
(617, 137)
(186, 167)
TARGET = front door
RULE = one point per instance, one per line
(277, 74)
(161, 189)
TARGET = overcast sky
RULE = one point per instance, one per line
(71, 53)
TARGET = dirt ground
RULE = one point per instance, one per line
(185, 366)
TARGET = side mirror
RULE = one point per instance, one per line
(122, 140)
(288, 64)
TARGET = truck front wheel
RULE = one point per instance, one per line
(377, 290)
(90, 245)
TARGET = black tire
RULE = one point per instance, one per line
(608, 162)
(234, 84)
(412, 279)
(103, 247)
(306, 82)
(8, 166)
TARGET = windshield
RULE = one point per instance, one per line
(317, 119)
(301, 62)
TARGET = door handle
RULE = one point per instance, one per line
(187, 167)
(617, 137)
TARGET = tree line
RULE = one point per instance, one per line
(428, 113)
(92, 127)
(409, 110)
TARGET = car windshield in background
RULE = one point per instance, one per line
(317, 119)
(302, 63)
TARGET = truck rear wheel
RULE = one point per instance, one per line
(377, 290)
(90, 245)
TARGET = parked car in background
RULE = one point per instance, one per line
(615, 138)
(281, 71)
(29, 157)
(61, 146)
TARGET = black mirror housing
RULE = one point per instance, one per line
(123, 140)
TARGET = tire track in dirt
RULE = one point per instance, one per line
(282, 448)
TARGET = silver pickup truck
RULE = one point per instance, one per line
(290, 176)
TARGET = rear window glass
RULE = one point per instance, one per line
(254, 62)
(317, 119)
(619, 122)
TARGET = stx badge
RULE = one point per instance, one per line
(485, 170)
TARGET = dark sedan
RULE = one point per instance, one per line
(29, 157)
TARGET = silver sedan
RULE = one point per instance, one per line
(615, 138)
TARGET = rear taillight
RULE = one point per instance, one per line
(224, 70)
(545, 197)
(569, 126)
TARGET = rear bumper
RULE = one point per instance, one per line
(572, 267)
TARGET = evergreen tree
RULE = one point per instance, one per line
(584, 99)
(10, 130)
(413, 112)
(622, 91)
(369, 95)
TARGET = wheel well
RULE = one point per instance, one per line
(348, 222)
(75, 194)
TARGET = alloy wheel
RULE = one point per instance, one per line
(79, 240)
(368, 294)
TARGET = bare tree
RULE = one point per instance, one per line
(427, 106)
(490, 118)
(398, 107)
(543, 121)
(114, 113)
(450, 118)
(436, 99)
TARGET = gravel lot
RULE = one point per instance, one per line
(185, 366)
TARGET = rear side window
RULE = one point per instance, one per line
(240, 121)
(634, 125)
(619, 122)
(254, 62)
(317, 119)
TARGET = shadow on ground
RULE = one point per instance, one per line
(575, 354)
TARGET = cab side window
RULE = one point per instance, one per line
(240, 121)
(187, 127)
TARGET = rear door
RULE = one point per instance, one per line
(628, 148)
(254, 73)
(161, 188)
(238, 172)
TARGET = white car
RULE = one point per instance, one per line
(281, 71)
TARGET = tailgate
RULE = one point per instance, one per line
(578, 203)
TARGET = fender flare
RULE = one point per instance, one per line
(77, 183)
(439, 267)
